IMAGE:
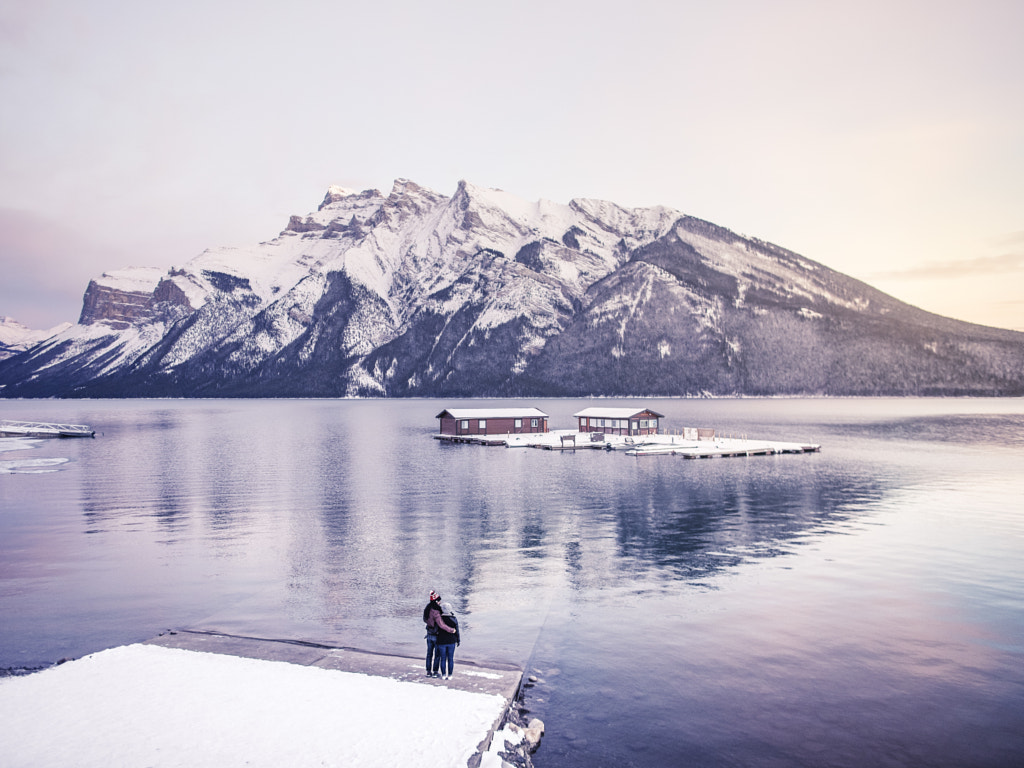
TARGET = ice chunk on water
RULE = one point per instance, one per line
(31, 466)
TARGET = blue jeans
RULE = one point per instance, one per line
(445, 656)
(433, 653)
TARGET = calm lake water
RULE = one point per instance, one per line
(862, 606)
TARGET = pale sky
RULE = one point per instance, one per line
(883, 139)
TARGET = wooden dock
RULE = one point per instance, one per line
(42, 429)
(563, 440)
(725, 449)
(576, 442)
(491, 440)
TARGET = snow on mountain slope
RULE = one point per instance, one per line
(481, 292)
(13, 333)
(131, 279)
(16, 337)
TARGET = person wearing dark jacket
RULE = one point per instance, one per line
(446, 642)
(432, 618)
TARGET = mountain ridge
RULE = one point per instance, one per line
(16, 337)
(481, 293)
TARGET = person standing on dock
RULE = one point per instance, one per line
(432, 618)
(446, 642)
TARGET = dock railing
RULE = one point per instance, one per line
(44, 429)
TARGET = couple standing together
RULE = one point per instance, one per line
(442, 637)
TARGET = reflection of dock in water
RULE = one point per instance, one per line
(42, 429)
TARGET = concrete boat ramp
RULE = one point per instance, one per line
(210, 699)
(498, 679)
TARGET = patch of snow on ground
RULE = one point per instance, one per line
(471, 673)
(143, 705)
(491, 759)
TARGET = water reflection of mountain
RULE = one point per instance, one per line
(987, 429)
(593, 519)
(722, 516)
(336, 499)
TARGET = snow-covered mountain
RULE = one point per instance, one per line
(483, 294)
(16, 337)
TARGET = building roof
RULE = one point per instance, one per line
(616, 413)
(492, 413)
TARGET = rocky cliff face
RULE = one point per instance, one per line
(482, 294)
(119, 309)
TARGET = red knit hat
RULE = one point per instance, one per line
(434, 597)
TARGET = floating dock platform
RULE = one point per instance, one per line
(721, 448)
(647, 445)
(43, 429)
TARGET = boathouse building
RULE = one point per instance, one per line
(618, 421)
(492, 421)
